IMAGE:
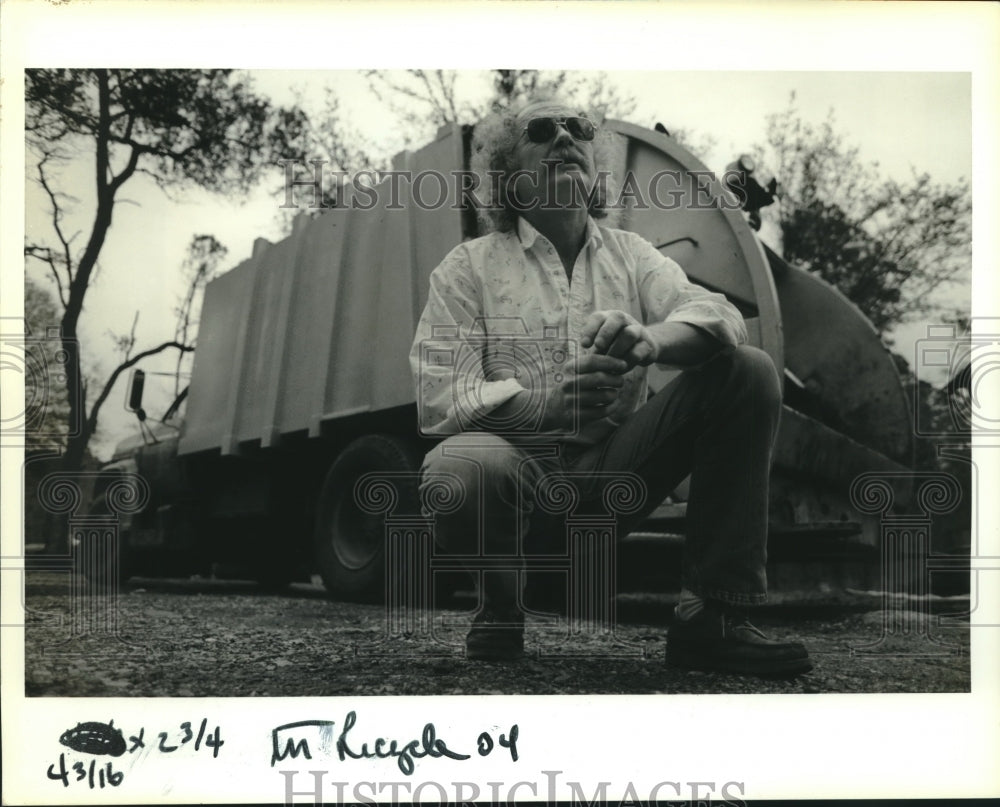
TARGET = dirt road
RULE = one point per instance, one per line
(186, 638)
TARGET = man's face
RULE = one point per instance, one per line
(558, 166)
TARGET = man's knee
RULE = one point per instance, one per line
(474, 458)
(467, 478)
(750, 372)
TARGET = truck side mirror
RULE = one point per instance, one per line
(752, 195)
(135, 394)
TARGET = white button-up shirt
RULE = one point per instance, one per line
(502, 317)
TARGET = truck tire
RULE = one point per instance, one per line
(350, 542)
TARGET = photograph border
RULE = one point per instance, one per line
(884, 745)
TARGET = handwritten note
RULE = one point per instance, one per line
(96, 739)
(291, 740)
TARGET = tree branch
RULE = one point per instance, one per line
(126, 172)
(121, 368)
(44, 254)
(145, 148)
(128, 342)
(56, 218)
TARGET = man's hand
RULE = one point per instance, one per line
(586, 393)
(621, 336)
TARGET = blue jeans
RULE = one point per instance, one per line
(716, 422)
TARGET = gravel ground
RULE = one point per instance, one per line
(229, 640)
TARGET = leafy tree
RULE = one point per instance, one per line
(180, 127)
(887, 245)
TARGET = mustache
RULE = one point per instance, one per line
(566, 156)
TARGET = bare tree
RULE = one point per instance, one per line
(201, 127)
(425, 100)
(422, 99)
(205, 253)
(335, 150)
(511, 87)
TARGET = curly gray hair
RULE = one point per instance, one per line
(493, 144)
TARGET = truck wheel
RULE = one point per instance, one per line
(350, 542)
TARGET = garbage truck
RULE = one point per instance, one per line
(301, 384)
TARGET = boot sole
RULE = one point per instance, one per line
(779, 668)
(484, 654)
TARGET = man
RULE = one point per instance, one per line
(551, 271)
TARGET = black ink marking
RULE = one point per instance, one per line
(115, 777)
(201, 734)
(104, 776)
(427, 746)
(292, 745)
(215, 742)
(511, 743)
(166, 749)
(62, 774)
(293, 749)
(95, 738)
(137, 741)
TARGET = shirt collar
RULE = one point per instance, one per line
(527, 233)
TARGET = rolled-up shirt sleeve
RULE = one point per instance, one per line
(666, 295)
(446, 357)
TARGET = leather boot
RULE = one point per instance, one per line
(721, 638)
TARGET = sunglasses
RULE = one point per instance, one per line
(542, 130)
